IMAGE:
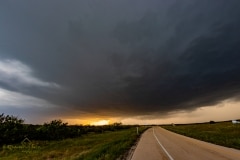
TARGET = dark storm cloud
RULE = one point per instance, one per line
(125, 57)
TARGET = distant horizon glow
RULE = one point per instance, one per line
(227, 110)
(100, 123)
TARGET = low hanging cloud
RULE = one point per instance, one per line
(11, 100)
(122, 58)
(16, 74)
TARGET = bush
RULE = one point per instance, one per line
(11, 129)
(212, 122)
(54, 130)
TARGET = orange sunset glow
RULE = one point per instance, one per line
(100, 123)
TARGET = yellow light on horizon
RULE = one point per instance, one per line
(100, 123)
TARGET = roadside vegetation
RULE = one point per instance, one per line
(59, 141)
(221, 133)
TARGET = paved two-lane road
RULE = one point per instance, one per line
(159, 144)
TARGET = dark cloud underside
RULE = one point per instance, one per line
(125, 57)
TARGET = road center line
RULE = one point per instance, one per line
(169, 156)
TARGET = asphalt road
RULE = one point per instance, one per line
(159, 144)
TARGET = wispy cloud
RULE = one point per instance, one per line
(10, 99)
(17, 74)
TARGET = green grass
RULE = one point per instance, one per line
(105, 146)
(222, 133)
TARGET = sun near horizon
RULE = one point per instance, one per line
(100, 122)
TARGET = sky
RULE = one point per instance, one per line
(135, 62)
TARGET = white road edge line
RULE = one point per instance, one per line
(169, 156)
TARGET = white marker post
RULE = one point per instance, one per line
(137, 130)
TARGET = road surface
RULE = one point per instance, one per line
(159, 144)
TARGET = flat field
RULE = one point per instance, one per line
(221, 133)
(92, 146)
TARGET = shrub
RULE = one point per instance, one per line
(11, 129)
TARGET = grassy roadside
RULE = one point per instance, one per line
(222, 133)
(105, 146)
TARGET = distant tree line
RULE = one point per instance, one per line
(13, 130)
